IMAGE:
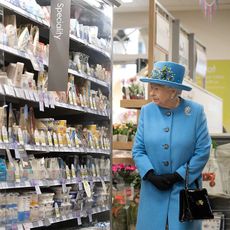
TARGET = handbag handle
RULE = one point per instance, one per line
(187, 178)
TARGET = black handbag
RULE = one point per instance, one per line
(194, 203)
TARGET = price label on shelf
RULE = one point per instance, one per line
(79, 220)
(9, 90)
(38, 189)
(52, 220)
(51, 100)
(17, 92)
(103, 184)
(47, 221)
(46, 100)
(3, 185)
(64, 188)
(40, 223)
(17, 154)
(27, 183)
(37, 148)
(34, 182)
(22, 93)
(80, 185)
(36, 96)
(27, 95)
(97, 209)
(90, 218)
(41, 102)
(29, 147)
(31, 93)
(20, 227)
(27, 226)
(71, 216)
(2, 90)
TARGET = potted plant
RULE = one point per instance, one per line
(136, 91)
(115, 132)
(125, 204)
(123, 133)
(132, 130)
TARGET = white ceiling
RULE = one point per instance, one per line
(142, 5)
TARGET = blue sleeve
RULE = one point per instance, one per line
(201, 151)
(140, 156)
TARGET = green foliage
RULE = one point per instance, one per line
(128, 129)
(214, 144)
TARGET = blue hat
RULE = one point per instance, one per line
(167, 73)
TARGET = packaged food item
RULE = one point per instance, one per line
(3, 36)
(25, 123)
(34, 39)
(14, 72)
(3, 78)
(11, 36)
(42, 82)
(31, 127)
(23, 38)
(3, 124)
(3, 169)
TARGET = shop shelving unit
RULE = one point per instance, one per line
(72, 113)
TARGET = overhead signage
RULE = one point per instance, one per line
(59, 45)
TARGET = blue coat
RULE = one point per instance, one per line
(165, 141)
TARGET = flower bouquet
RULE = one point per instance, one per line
(126, 186)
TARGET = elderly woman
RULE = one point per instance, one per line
(171, 132)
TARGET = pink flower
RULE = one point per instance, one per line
(121, 166)
(114, 168)
(130, 168)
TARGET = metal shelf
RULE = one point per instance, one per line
(35, 96)
(37, 65)
(48, 183)
(24, 55)
(90, 46)
(48, 149)
(92, 79)
(52, 220)
(44, 23)
(24, 13)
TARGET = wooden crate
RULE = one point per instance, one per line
(133, 103)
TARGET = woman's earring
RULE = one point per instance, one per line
(172, 97)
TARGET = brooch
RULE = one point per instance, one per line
(187, 110)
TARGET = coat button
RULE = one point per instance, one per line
(166, 146)
(168, 113)
(166, 129)
(166, 163)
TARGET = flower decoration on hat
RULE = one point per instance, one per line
(165, 73)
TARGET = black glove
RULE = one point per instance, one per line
(173, 178)
(159, 181)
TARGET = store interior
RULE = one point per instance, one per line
(180, 27)
(70, 98)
